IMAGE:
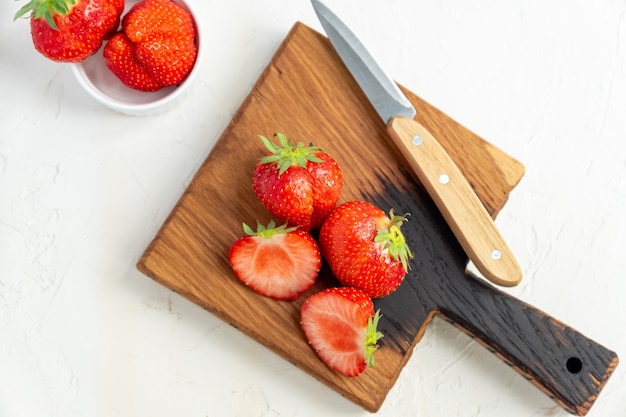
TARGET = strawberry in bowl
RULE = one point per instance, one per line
(105, 87)
(71, 30)
(156, 47)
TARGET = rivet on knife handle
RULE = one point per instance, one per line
(460, 206)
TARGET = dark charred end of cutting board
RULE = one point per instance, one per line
(569, 367)
(566, 365)
(589, 366)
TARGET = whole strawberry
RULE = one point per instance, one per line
(365, 248)
(156, 47)
(276, 261)
(340, 325)
(71, 30)
(297, 184)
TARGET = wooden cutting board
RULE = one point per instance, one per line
(307, 94)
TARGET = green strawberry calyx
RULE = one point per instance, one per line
(393, 240)
(268, 231)
(287, 154)
(46, 9)
(372, 336)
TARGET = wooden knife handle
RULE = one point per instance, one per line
(464, 212)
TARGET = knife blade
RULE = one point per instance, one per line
(453, 195)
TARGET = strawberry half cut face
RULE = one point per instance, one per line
(277, 262)
(340, 325)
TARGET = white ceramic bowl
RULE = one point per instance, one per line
(93, 75)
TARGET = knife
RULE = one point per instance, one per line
(453, 195)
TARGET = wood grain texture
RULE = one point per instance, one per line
(307, 94)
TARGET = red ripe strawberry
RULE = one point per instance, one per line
(297, 184)
(365, 248)
(340, 324)
(71, 30)
(277, 262)
(156, 47)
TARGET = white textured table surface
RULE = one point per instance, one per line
(83, 190)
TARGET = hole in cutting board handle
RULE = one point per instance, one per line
(574, 365)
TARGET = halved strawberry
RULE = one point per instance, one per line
(340, 324)
(277, 262)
